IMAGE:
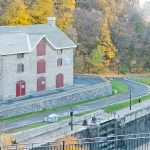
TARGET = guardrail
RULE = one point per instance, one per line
(120, 142)
(139, 75)
(137, 114)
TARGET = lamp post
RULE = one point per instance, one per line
(130, 99)
(71, 116)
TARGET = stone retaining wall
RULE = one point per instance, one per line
(55, 100)
(32, 133)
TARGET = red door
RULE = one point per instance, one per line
(20, 88)
(59, 80)
(41, 84)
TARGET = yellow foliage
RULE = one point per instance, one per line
(7, 142)
(105, 41)
(71, 143)
(40, 10)
(64, 12)
(65, 21)
(16, 14)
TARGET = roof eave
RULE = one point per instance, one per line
(57, 48)
(44, 36)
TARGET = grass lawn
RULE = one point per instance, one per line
(121, 105)
(120, 87)
(145, 80)
(35, 125)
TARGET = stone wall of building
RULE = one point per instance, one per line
(10, 76)
(55, 100)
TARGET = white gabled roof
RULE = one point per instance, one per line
(22, 39)
(12, 43)
(35, 39)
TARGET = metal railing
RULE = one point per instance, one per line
(129, 142)
(139, 75)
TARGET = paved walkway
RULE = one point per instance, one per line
(65, 131)
(137, 90)
(134, 108)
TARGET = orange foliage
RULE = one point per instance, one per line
(71, 143)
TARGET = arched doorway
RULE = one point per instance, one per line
(41, 84)
(20, 88)
(59, 80)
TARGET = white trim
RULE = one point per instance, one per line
(31, 48)
(53, 46)
(38, 42)
(28, 42)
(59, 47)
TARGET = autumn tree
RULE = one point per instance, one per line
(127, 33)
(40, 10)
(64, 12)
(71, 143)
(16, 14)
(87, 20)
(7, 141)
(107, 47)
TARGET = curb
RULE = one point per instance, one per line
(134, 97)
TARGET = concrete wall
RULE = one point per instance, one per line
(106, 129)
(137, 122)
(39, 131)
(61, 99)
(10, 76)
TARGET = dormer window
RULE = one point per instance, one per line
(21, 55)
(41, 49)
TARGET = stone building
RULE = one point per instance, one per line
(34, 58)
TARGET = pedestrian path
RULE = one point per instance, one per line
(134, 108)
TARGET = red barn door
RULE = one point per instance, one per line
(20, 88)
(41, 84)
(59, 80)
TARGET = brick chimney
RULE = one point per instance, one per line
(52, 21)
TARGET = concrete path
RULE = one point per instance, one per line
(137, 89)
(134, 108)
(65, 131)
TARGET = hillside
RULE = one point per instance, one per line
(112, 36)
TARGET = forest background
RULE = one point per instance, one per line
(112, 35)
